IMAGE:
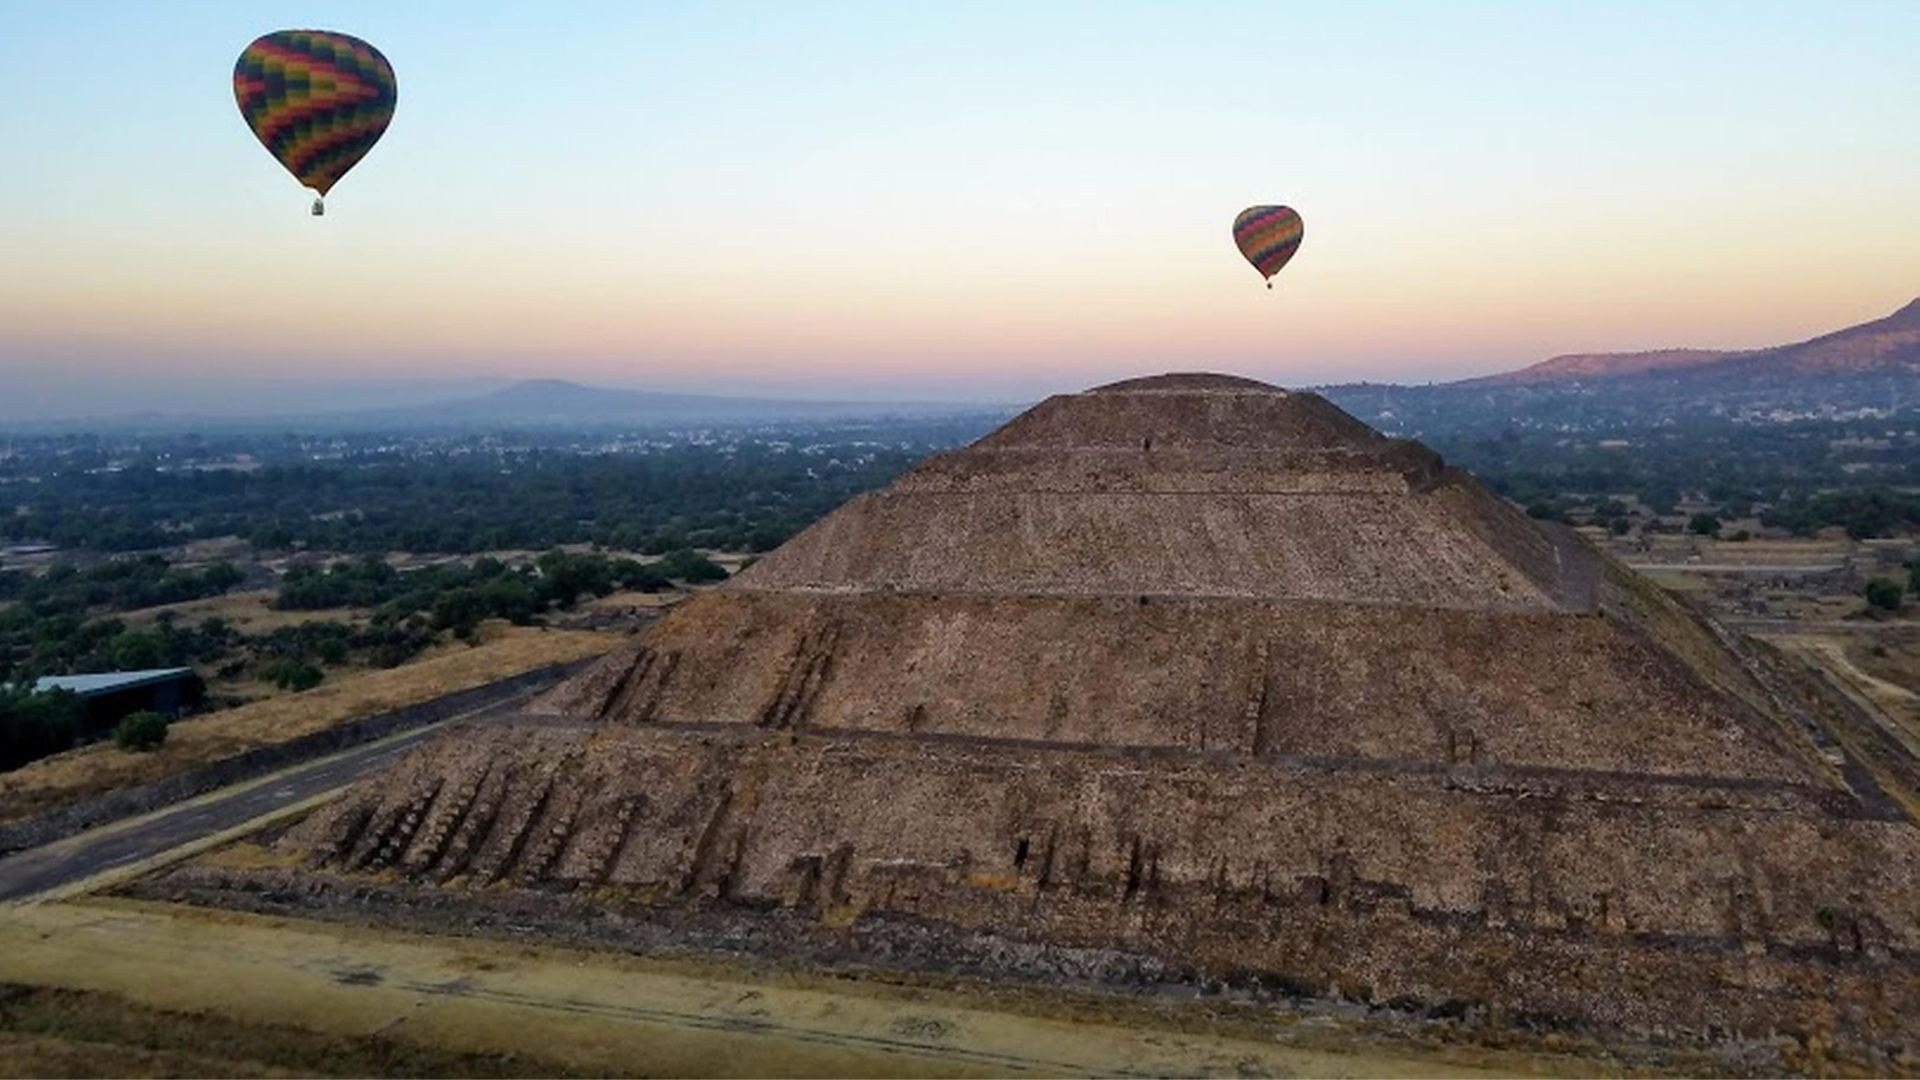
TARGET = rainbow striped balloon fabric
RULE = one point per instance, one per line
(317, 100)
(1268, 236)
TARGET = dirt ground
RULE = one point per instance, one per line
(99, 767)
(325, 998)
(1845, 659)
(1893, 656)
(1812, 579)
(628, 598)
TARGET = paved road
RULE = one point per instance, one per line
(1803, 626)
(39, 869)
(1737, 568)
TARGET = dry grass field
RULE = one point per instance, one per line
(174, 990)
(48, 1032)
(99, 767)
(251, 612)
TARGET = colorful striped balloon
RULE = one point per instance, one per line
(1268, 236)
(317, 100)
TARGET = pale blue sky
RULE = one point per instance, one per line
(954, 199)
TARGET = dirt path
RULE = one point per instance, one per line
(622, 1015)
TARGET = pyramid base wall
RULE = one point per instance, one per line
(1694, 910)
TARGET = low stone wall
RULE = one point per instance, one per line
(68, 820)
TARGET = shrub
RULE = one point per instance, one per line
(1883, 593)
(1704, 525)
(141, 732)
(290, 674)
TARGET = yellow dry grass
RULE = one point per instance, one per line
(90, 770)
(47, 1032)
(252, 612)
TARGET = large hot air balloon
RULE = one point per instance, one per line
(1268, 236)
(317, 100)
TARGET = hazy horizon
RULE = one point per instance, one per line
(216, 397)
(988, 203)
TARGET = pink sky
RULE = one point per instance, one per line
(853, 200)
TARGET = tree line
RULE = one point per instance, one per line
(748, 497)
(407, 612)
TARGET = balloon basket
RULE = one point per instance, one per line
(319, 208)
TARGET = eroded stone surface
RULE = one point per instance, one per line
(1212, 678)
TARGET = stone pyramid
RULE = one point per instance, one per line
(1187, 679)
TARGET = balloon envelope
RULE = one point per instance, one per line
(317, 100)
(1268, 236)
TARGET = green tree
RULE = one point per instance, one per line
(1610, 508)
(691, 567)
(1883, 593)
(1660, 499)
(136, 649)
(220, 575)
(508, 596)
(33, 725)
(141, 732)
(460, 611)
(634, 574)
(1704, 525)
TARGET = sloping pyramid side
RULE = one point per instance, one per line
(1207, 567)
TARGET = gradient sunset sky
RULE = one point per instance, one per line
(976, 200)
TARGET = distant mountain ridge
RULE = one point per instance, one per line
(540, 403)
(558, 401)
(1869, 369)
(1889, 345)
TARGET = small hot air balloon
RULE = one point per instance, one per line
(317, 100)
(1268, 236)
